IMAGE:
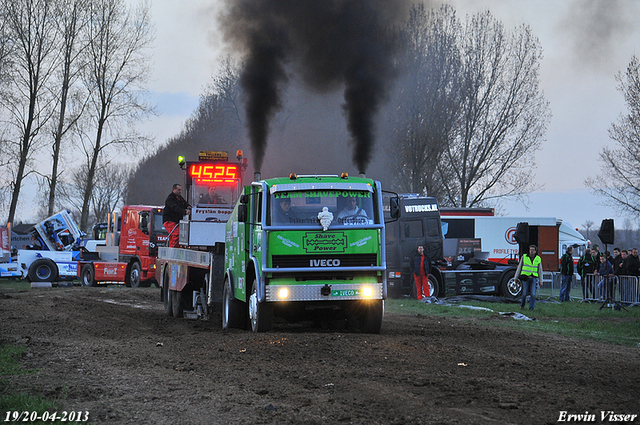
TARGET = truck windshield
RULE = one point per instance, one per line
(158, 227)
(211, 194)
(301, 208)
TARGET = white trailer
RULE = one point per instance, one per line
(497, 236)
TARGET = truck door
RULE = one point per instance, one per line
(434, 241)
(256, 245)
(412, 235)
(256, 223)
(144, 229)
(130, 223)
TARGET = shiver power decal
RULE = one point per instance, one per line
(324, 242)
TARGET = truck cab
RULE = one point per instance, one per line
(140, 234)
(419, 224)
(306, 248)
(129, 249)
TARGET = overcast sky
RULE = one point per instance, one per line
(585, 43)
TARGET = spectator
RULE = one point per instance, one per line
(605, 286)
(609, 258)
(595, 253)
(586, 265)
(529, 272)
(630, 267)
(617, 261)
(175, 207)
(566, 271)
(420, 267)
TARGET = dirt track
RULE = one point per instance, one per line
(112, 352)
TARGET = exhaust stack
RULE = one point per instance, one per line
(257, 176)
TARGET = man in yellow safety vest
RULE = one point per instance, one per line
(530, 274)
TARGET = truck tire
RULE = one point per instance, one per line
(177, 301)
(414, 289)
(510, 287)
(233, 315)
(134, 275)
(87, 275)
(166, 294)
(434, 286)
(260, 314)
(370, 317)
(43, 270)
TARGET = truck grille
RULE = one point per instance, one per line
(340, 260)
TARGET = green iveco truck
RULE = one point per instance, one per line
(306, 248)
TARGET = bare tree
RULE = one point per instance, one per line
(6, 47)
(587, 226)
(110, 190)
(427, 99)
(475, 114)
(108, 194)
(115, 76)
(503, 115)
(72, 18)
(6, 50)
(619, 184)
(31, 32)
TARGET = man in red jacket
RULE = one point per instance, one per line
(420, 267)
(175, 207)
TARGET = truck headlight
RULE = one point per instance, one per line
(367, 291)
(283, 293)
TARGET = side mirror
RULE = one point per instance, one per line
(394, 208)
(144, 222)
(242, 212)
(244, 199)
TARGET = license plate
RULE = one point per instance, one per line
(345, 293)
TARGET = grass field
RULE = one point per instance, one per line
(13, 405)
(575, 319)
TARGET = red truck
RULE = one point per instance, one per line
(129, 254)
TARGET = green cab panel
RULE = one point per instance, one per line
(356, 241)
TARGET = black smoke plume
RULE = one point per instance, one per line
(331, 44)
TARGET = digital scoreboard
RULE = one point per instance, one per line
(204, 173)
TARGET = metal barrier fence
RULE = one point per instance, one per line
(625, 289)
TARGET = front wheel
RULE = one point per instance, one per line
(43, 270)
(370, 319)
(232, 312)
(510, 287)
(260, 314)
